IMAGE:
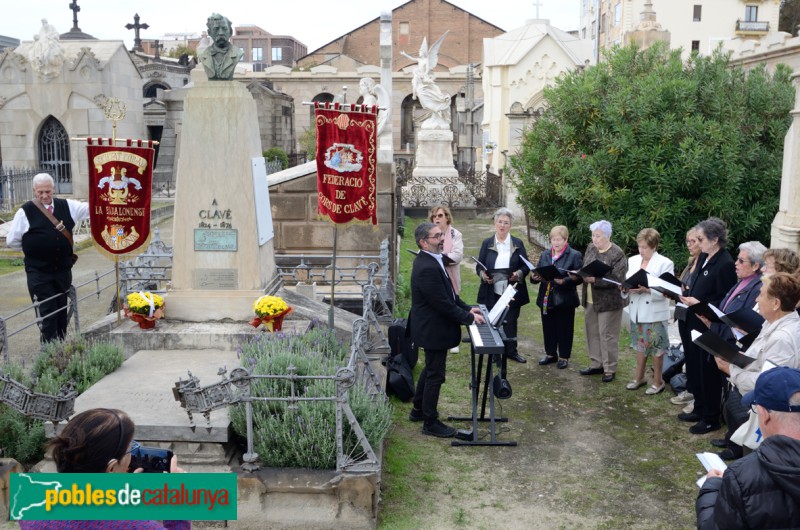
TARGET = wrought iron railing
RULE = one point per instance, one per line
(238, 389)
(359, 269)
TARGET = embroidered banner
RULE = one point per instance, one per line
(120, 189)
(346, 164)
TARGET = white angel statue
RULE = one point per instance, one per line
(46, 55)
(375, 94)
(425, 90)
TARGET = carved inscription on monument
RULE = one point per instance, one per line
(215, 232)
(216, 279)
(216, 239)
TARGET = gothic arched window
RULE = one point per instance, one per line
(54, 154)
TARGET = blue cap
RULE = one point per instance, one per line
(774, 389)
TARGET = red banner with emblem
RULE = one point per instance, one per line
(120, 190)
(346, 163)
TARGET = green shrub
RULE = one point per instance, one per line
(644, 139)
(306, 436)
(276, 152)
(73, 360)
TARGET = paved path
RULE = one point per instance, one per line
(25, 345)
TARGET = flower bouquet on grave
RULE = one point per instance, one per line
(270, 311)
(144, 308)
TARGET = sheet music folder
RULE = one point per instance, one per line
(596, 269)
(719, 347)
(549, 273)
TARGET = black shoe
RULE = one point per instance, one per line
(701, 427)
(517, 357)
(548, 359)
(438, 429)
(591, 371)
(730, 454)
(607, 378)
(415, 415)
(562, 363)
(722, 443)
(689, 416)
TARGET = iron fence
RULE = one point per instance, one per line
(238, 389)
(15, 186)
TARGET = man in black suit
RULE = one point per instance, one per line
(437, 314)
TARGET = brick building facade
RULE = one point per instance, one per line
(411, 22)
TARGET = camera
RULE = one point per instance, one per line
(150, 459)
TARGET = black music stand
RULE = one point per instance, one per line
(487, 390)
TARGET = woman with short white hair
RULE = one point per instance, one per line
(603, 304)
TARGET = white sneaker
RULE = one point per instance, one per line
(683, 398)
(689, 408)
(454, 350)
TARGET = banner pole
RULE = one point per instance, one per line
(119, 302)
(333, 275)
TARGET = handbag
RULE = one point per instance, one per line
(58, 226)
(749, 433)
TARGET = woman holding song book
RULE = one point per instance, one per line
(648, 310)
(501, 264)
(558, 298)
(778, 342)
(602, 303)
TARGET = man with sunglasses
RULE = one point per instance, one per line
(761, 490)
(434, 323)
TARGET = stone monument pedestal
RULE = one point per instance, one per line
(435, 178)
(223, 247)
(434, 156)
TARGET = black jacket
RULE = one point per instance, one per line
(710, 283)
(488, 256)
(762, 490)
(437, 313)
(566, 294)
(744, 298)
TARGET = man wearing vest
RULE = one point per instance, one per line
(46, 242)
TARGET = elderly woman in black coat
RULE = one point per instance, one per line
(502, 251)
(558, 299)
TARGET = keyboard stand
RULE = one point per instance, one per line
(476, 373)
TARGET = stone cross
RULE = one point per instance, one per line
(74, 7)
(158, 47)
(537, 4)
(137, 42)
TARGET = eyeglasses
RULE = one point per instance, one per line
(437, 236)
(691, 241)
(742, 261)
(134, 447)
(440, 215)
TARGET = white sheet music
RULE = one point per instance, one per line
(502, 303)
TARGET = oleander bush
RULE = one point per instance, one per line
(645, 139)
(305, 436)
(74, 361)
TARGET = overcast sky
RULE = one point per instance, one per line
(309, 21)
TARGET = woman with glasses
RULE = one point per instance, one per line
(685, 397)
(778, 342)
(781, 260)
(453, 248)
(558, 299)
(713, 277)
(98, 441)
(502, 255)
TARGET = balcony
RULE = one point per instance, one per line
(747, 27)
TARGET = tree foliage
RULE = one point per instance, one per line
(645, 140)
(789, 17)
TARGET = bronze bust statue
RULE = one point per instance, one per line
(220, 58)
